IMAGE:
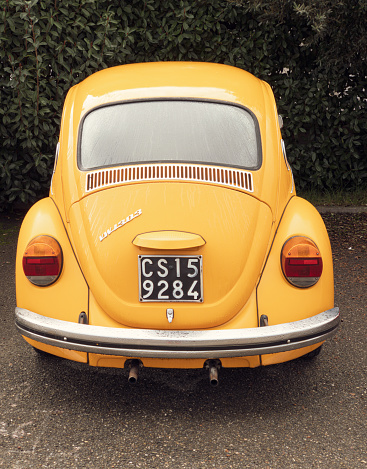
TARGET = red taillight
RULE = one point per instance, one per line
(42, 261)
(301, 262)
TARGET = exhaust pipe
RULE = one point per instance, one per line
(213, 366)
(213, 376)
(134, 366)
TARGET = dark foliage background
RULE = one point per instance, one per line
(313, 55)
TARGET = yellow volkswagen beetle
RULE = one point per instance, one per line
(172, 236)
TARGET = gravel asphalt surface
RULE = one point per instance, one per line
(302, 414)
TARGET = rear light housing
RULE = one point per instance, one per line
(301, 262)
(42, 261)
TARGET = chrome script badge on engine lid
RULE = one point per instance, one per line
(120, 224)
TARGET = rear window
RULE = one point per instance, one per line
(169, 131)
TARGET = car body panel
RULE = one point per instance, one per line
(176, 80)
(73, 355)
(111, 361)
(236, 241)
(299, 218)
(44, 218)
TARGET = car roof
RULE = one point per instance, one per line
(196, 80)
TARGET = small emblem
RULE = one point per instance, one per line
(170, 314)
(120, 224)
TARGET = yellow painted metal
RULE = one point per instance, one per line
(172, 80)
(243, 232)
(277, 298)
(275, 358)
(246, 317)
(74, 355)
(119, 362)
(68, 296)
(168, 240)
(235, 226)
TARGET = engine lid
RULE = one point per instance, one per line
(227, 229)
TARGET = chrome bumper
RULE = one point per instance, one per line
(178, 344)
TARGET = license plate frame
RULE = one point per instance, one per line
(170, 278)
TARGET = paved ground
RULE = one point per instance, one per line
(57, 414)
(337, 209)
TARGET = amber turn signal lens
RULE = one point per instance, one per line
(42, 261)
(301, 262)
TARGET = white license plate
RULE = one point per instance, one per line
(171, 278)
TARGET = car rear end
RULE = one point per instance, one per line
(181, 240)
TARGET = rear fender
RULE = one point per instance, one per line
(68, 296)
(277, 298)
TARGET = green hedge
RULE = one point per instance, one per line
(48, 46)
